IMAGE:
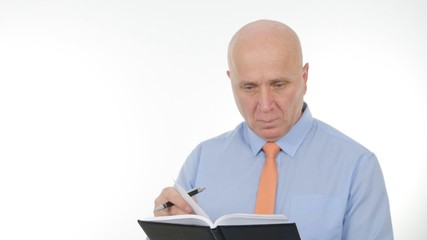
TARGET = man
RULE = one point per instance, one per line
(329, 185)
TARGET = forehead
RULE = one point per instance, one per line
(265, 56)
(264, 65)
(264, 48)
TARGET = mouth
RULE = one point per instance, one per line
(270, 123)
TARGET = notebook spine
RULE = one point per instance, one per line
(216, 232)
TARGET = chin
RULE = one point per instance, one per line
(270, 137)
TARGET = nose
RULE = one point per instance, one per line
(265, 101)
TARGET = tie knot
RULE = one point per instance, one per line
(271, 150)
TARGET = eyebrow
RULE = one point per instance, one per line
(272, 81)
(279, 80)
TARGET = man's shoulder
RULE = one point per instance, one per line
(226, 137)
(227, 141)
(332, 134)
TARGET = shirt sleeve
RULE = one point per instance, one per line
(368, 213)
(187, 175)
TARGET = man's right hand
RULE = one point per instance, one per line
(180, 206)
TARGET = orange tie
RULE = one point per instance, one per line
(266, 196)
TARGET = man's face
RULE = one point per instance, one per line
(269, 89)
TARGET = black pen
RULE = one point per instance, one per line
(169, 204)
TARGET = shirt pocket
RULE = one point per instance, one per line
(317, 217)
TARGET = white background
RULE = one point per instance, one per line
(102, 101)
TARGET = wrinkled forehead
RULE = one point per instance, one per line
(265, 54)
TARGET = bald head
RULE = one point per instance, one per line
(262, 37)
(267, 77)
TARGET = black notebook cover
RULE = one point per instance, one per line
(286, 231)
(168, 231)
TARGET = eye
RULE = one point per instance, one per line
(248, 87)
(279, 85)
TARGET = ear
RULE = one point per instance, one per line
(228, 73)
(305, 75)
(305, 72)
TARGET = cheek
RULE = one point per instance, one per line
(247, 106)
(293, 105)
(288, 103)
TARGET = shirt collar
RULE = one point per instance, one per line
(288, 143)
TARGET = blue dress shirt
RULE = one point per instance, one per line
(329, 185)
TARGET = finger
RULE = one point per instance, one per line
(170, 211)
(169, 194)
